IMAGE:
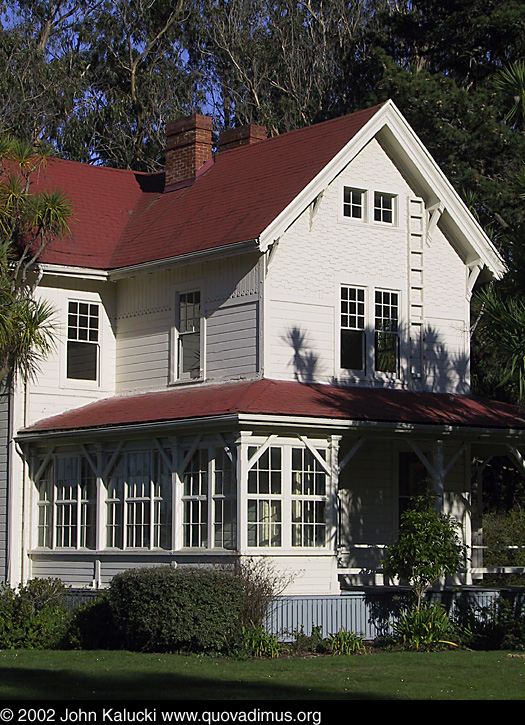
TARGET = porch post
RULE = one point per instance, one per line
(242, 492)
(438, 476)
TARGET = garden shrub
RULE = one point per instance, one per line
(344, 642)
(426, 627)
(93, 626)
(163, 609)
(500, 625)
(35, 617)
(259, 643)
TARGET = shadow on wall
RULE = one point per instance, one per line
(441, 370)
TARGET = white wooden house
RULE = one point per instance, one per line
(263, 351)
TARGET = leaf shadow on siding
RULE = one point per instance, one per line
(305, 361)
(442, 371)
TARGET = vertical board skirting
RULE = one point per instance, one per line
(368, 614)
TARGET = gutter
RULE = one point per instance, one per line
(281, 421)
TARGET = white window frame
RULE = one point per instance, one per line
(57, 514)
(290, 498)
(391, 209)
(121, 509)
(369, 370)
(363, 206)
(176, 375)
(204, 494)
(79, 381)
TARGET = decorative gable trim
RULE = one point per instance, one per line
(415, 162)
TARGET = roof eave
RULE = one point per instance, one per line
(283, 421)
(398, 138)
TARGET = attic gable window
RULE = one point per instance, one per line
(353, 203)
(83, 329)
(384, 207)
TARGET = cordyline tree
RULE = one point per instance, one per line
(428, 547)
(28, 223)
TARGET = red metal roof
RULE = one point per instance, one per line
(123, 218)
(283, 398)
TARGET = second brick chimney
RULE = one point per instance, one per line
(245, 135)
(188, 148)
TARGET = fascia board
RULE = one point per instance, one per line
(425, 171)
(467, 228)
(283, 422)
(59, 270)
(279, 225)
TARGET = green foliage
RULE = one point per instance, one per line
(499, 626)
(36, 617)
(259, 643)
(344, 642)
(93, 626)
(426, 628)
(427, 548)
(28, 223)
(162, 609)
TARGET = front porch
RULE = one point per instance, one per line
(312, 479)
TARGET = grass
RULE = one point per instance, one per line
(110, 675)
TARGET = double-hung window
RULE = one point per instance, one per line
(353, 320)
(386, 341)
(265, 505)
(189, 364)
(308, 499)
(67, 504)
(138, 502)
(209, 500)
(83, 337)
(369, 337)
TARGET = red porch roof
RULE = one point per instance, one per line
(295, 400)
(122, 218)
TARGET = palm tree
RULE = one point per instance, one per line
(28, 223)
(511, 81)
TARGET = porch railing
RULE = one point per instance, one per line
(475, 553)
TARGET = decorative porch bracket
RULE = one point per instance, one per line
(435, 212)
(438, 471)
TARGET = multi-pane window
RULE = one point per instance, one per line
(67, 504)
(83, 330)
(138, 502)
(195, 500)
(386, 331)
(189, 335)
(384, 207)
(224, 502)
(265, 498)
(352, 328)
(353, 203)
(308, 498)
(357, 329)
(209, 512)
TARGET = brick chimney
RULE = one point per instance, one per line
(188, 148)
(245, 135)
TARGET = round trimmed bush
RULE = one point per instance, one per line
(161, 609)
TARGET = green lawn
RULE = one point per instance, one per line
(102, 675)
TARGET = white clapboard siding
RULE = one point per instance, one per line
(4, 440)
